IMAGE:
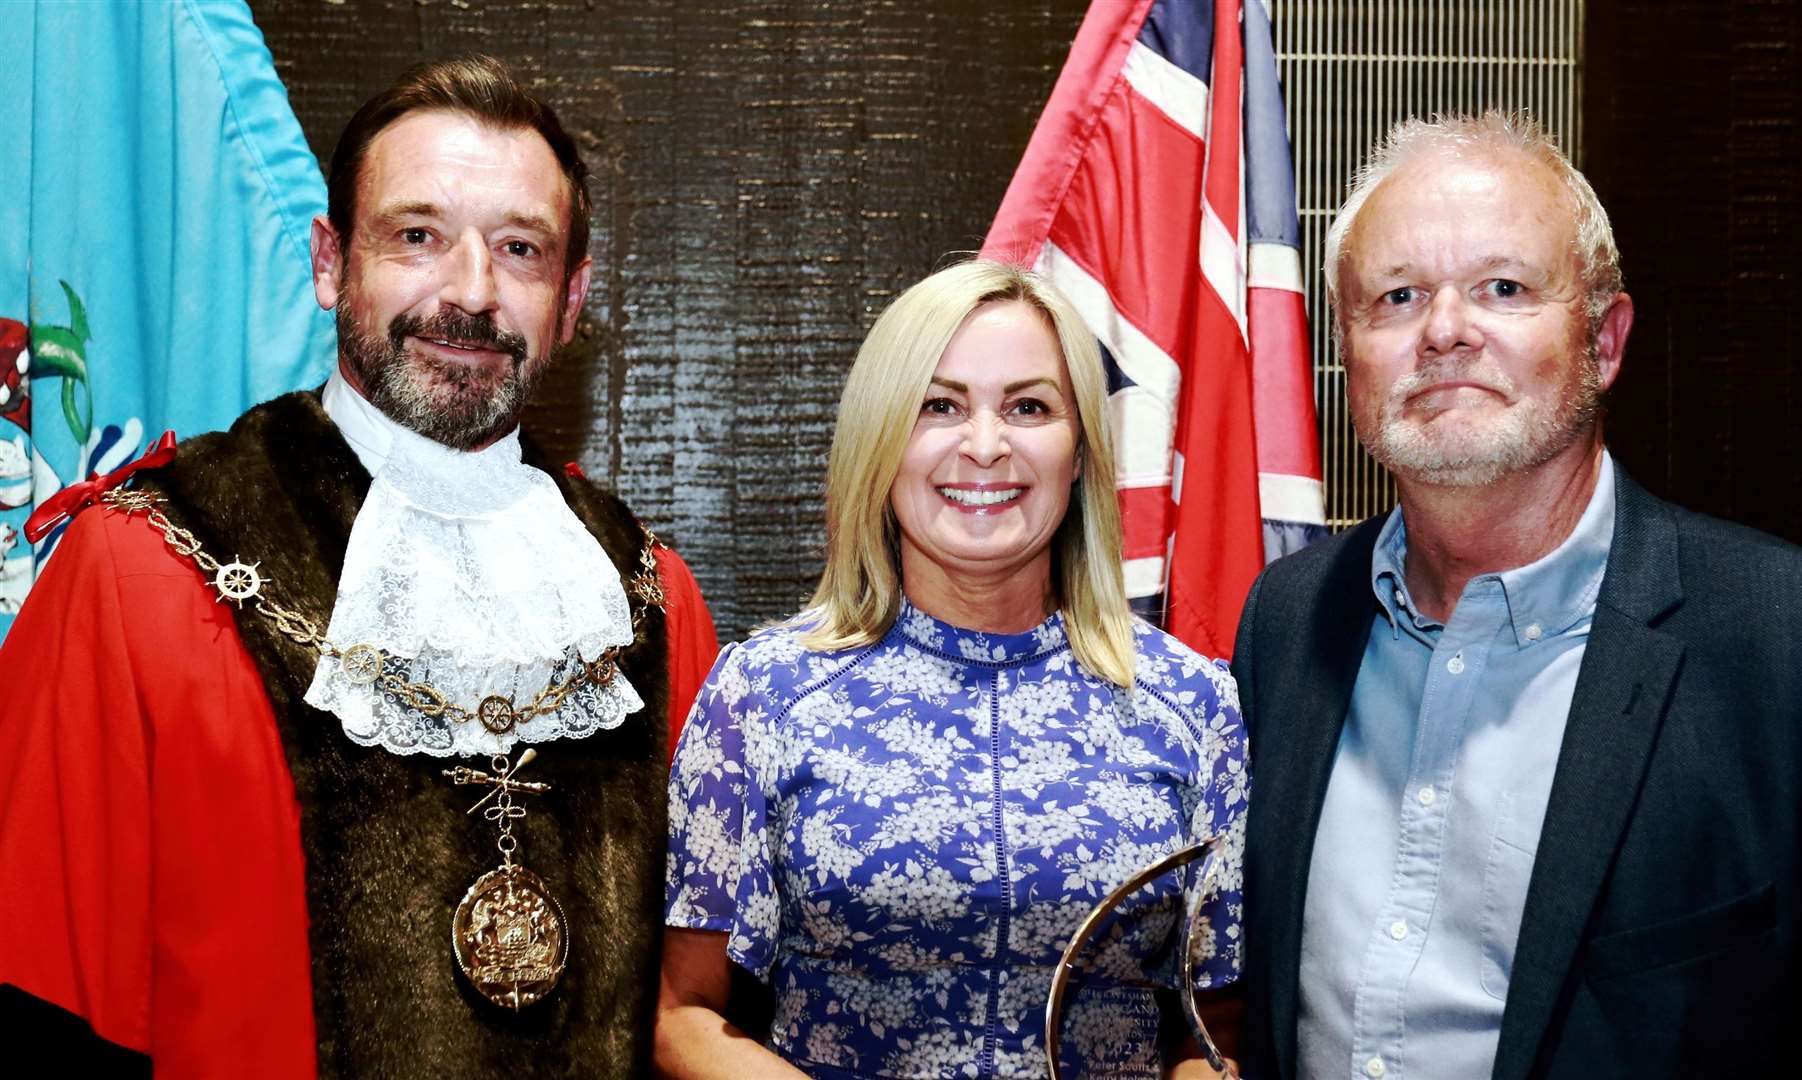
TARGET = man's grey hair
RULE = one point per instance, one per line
(1460, 135)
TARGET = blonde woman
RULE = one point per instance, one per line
(897, 806)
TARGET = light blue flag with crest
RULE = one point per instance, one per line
(155, 195)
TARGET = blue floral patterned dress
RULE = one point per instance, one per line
(902, 838)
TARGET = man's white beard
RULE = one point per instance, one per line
(1466, 454)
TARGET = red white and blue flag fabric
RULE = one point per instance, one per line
(1157, 193)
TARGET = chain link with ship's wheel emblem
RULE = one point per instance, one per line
(362, 664)
(238, 581)
(130, 501)
(497, 714)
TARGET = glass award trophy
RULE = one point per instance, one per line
(1078, 959)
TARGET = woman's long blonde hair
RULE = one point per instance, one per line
(860, 592)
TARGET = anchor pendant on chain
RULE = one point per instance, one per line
(509, 934)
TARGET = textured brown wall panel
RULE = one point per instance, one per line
(768, 175)
(1691, 130)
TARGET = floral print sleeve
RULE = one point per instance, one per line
(717, 875)
(1223, 815)
(1220, 814)
(1199, 703)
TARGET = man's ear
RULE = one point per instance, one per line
(575, 291)
(1611, 338)
(328, 263)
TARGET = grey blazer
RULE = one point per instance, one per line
(1661, 926)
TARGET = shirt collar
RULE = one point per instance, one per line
(1545, 597)
(366, 428)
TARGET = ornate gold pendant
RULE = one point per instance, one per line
(509, 937)
(509, 933)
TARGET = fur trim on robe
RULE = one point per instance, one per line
(389, 850)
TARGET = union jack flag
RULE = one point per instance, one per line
(1157, 193)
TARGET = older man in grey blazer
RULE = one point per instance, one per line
(1527, 751)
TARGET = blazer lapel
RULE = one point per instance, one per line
(1627, 672)
(1321, 672)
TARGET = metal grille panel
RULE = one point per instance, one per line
(1353, 68)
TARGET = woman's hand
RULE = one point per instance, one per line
(693, 1039)
(1222, 1012)
(1199, 1069)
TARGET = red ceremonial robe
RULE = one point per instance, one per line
(151, 875)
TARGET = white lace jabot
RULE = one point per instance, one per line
(470, 571)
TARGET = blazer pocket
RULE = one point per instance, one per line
(1699, 934)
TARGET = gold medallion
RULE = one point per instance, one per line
(509, 937)
(508, 933)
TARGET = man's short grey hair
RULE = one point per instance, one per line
(1494, 130)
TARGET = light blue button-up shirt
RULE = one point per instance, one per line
(1432, 814)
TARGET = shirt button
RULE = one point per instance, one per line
(1427, 796)
(1400, 600)
(1398, 929)
(1374, 1067)
(1456, 664)
(1533, 631)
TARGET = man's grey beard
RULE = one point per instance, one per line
(448, 403)
(1521, 438)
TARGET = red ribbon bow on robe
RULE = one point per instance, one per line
(77, 497)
